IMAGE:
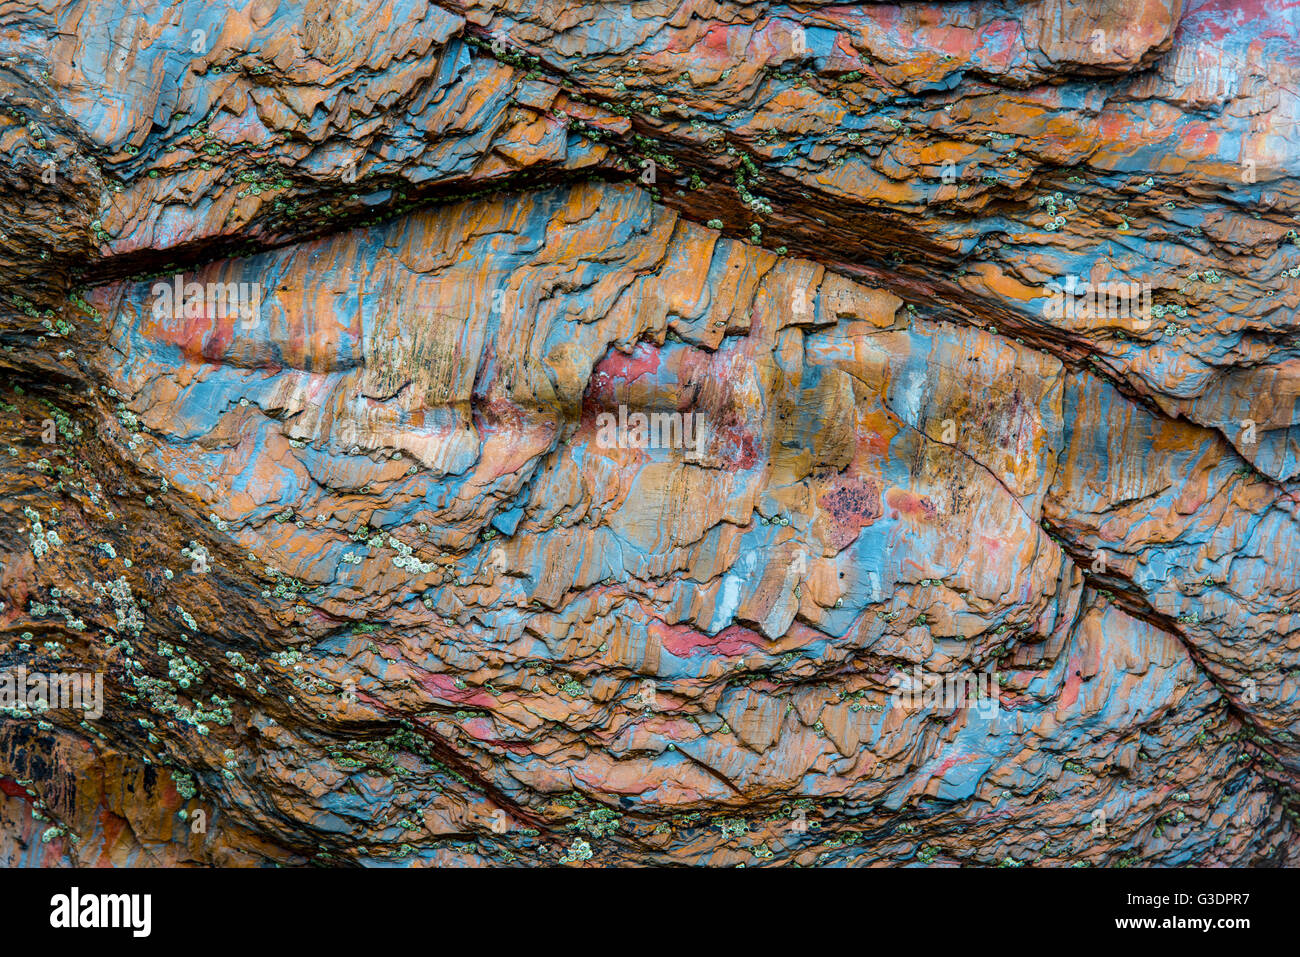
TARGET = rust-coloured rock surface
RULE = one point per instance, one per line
(714, 433)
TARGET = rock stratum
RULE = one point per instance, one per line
(985, 314)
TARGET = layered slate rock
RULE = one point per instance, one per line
(368, 582)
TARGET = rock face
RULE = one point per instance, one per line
(712, 433)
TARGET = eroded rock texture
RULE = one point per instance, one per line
(366, 583)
